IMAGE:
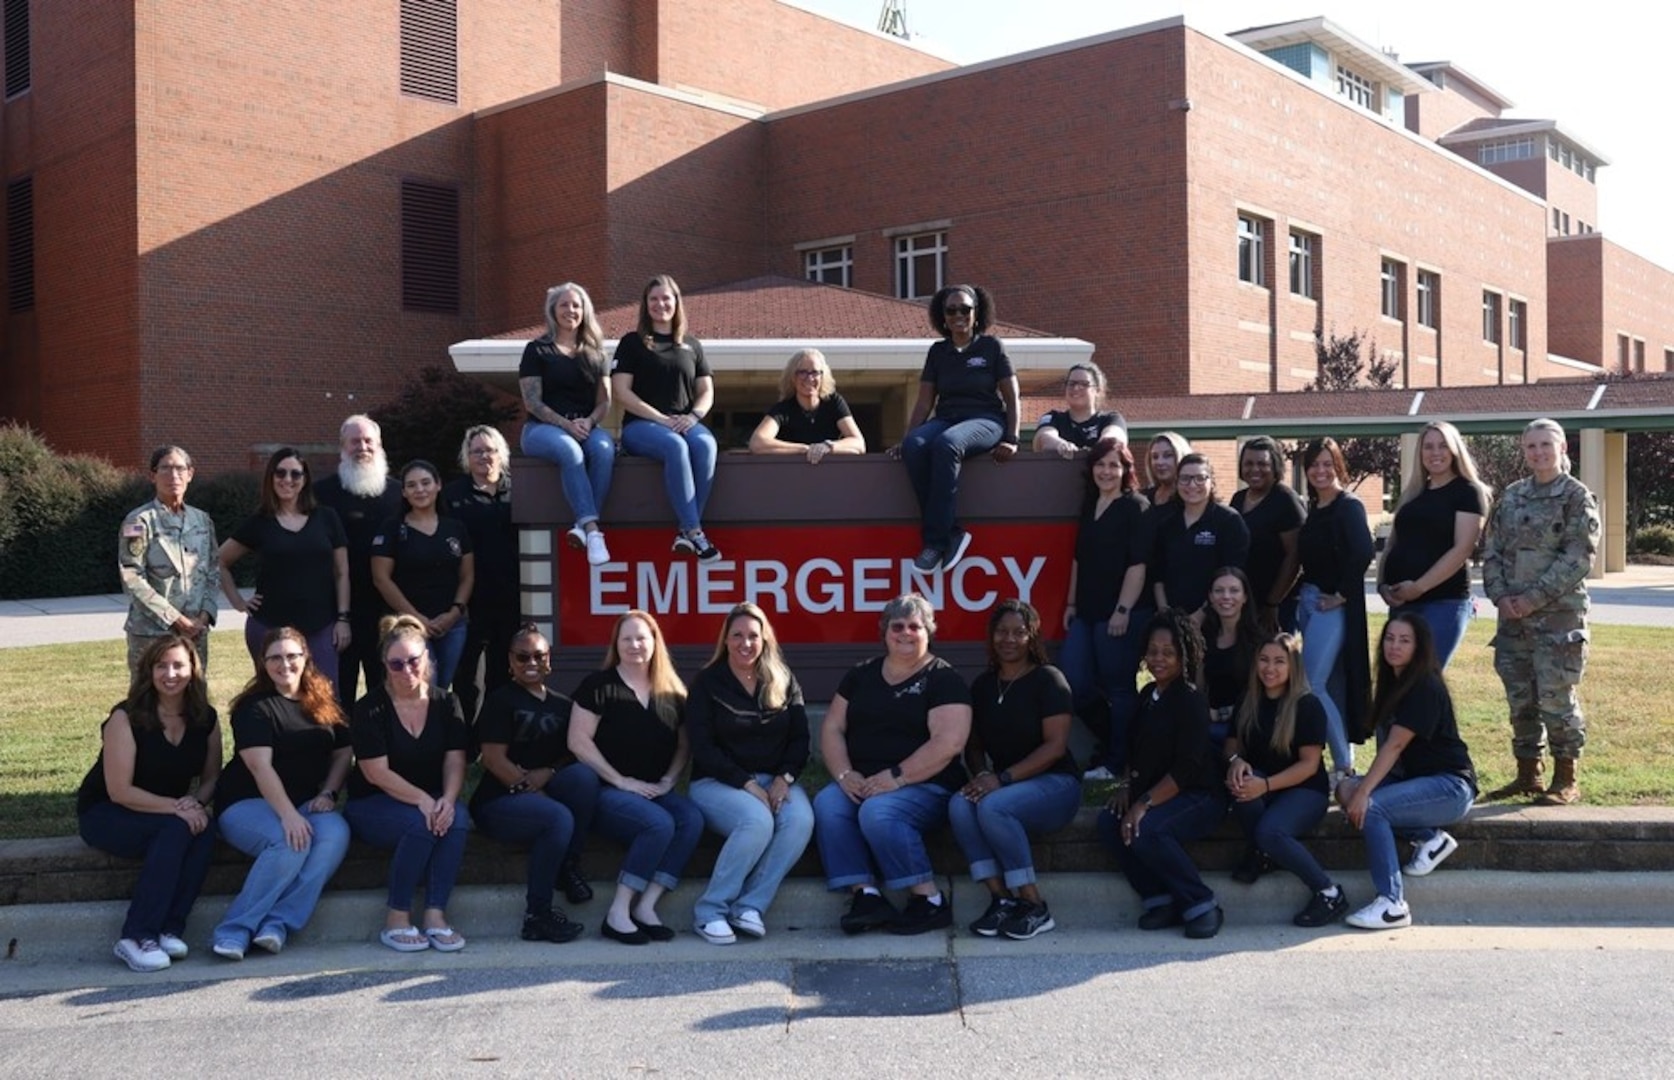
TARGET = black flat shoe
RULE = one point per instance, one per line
(636, 936)
(573, 885)
(1160, 918)
(654, 931)
(1206, 925)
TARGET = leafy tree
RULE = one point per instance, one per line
(430, 416)
(1342, 365)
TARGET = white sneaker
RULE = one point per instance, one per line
(577, 536)
(1426, 857)
(597, 553)
(144, 955)
(172, 947)
(1381, 914)
(749, 921)
(717, 932)
(1100, 773)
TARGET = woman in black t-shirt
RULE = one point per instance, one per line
(891, 740)
(1273, 513)
(410, 741)
(566, 397)
(1174, 793)
(1196, 540)
(1231, 637)
(811, 418)
(1162, 464)
(662, 379)
(423, 566)
(1421, 780)
(482, 499)
(968, 381)
(1424, 568)
(625, 726)
(1276, 772)
(277, 799)
(1075, 429)
(139, 800)
(532, 790)
(304, 576)
(1024, 780)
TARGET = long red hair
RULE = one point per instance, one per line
(316, 695)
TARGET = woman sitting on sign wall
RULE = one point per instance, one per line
(811, 418)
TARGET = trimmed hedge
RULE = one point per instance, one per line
(1653, 540)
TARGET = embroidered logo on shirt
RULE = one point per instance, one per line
(454, 548)
(1204, 539)
(976, 361)
(913, 688)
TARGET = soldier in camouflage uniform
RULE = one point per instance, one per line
(166, 555)
(1541, 541)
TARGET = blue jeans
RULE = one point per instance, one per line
(171, 875)
(688, 465)
(994, 833)
(660, 834)
(1274, 823)
(760, 848)
(552, 822)
(386, 822)
(584, 468)
(1414, 810)
(888, 829)
(284, 885)
(1156, 863)
(934, 452)
(445, 652)
(1447, 620)
(1096, 663)
(1322, 643)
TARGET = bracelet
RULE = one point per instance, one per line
(1233, 760)
(842, 774)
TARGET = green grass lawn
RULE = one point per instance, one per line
(53, 698)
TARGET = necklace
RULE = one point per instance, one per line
(1002, 687)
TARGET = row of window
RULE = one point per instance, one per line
(920, 265)
(1561, 224)
(1303, 264)
(1492, 153)
(15, 25)
(1571, 159)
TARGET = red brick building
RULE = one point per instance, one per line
(232, 224)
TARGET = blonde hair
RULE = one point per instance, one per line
(1463, 464)
(495, 440)
(664, 679)
(787, 381)
(1557, 429)
(1181, 449)
(772, 673)
(394, 628)
(1284, 724)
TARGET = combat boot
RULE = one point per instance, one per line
(1563, 790)
(1528, 781)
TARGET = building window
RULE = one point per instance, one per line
(1623, 351)
(1517, 321)
(1390, 281)
(1490, 317)
(20, 244)
(1301, 264)
(1492, 153)
(920, 263)
(829, 266)
(1429, 293)
(1668, 359)
(17, 46)
(429, 247)
(430, 49)
(1639, 354)
(1354, 87)
(1252, 253)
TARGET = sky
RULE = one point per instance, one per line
(1583, 65)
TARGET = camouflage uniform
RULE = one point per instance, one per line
(1541, 543)
(169, 568)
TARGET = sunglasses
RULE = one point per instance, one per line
(523, 657)
(410, 663)
(288, 474)
(958, 309)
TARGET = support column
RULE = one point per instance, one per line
(1593, 472)
(1409, 455)
(1615, 498)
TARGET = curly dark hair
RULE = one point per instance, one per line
(981, 319)
(1031, 626)
(1188, 640)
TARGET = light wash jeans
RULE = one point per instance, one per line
(584, 468)
(1414, 810)
(888, 828)
(284, 885)
(688, 465)
(994, 833)
(445, 652)
(760, 849)
(1447, 620)
(1322, 644)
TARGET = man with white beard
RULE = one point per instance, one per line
(364, 496)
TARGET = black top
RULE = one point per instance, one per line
(1226, 672)
(665, 375)
(360, 515)
(1006, 716)
(426, 566)
(734, 736)
(1082, 433)
(798, 425)
(1186, 556)
(301, 748)
(297, 581)
(377, 732)
(1424, 533)
(1106, 546)
(1279, 511)
(488, 520)
(535, 732)
(887, 722)
(639, 741)
(1336, 546)
(569, 384)
(1437, 750)
(160, 767)
(1309, 731)
(967, 380)
(1169, 736)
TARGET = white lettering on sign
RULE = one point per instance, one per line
(818, 587)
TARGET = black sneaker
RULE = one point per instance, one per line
(573, 885)
(1160, 918)
(927, 561)
(867, 911)
(683, 545)
(921, 916)
(552, 926)
(1251, 866)
(999, 910)
(958, 544)
(702, 548)
(1027, 921)
(1323, 910)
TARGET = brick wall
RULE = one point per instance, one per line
(1608, 292)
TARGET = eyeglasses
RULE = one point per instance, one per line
(286, 658)
(523, 657)
(804, 373)
(411, 663)
(173, 468)
(482, 451)
(899, 627)
(1078, 384)
(957, 309)
(288, 474)
(1191, 479)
